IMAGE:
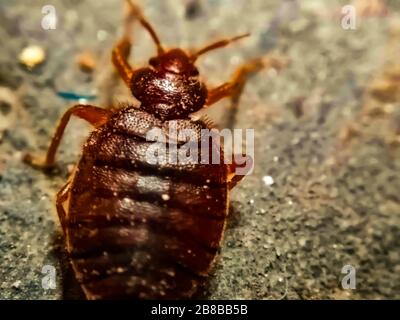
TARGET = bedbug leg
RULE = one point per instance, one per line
(94, 115)
(241, 166)
(62, 196)
(120, 53)
(120, 56)
(235, 86)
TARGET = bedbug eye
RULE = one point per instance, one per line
(155, 62)
(195, 72)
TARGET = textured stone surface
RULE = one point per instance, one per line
(328, 146)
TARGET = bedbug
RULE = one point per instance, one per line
(134, 229)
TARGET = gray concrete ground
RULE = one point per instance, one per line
(327, 132)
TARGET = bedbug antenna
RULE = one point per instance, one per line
(217, 45)
(137, 13)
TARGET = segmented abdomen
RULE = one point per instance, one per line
(136, 230)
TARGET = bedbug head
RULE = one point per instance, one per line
(178, 61)
(175, 61)
(170, 87)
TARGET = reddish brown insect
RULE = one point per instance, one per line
(133, 229)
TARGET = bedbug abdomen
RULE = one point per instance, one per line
(138, 230)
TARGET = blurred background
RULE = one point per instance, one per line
(325, 192)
